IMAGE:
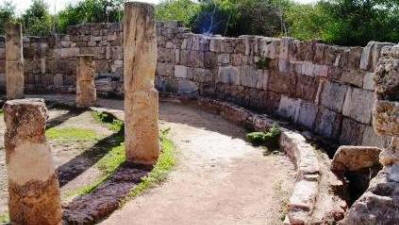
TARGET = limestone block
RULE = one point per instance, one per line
(371, 54)
(31, 174)
(353, 77)
(348, 136)
(390, 155)
(211, 60)
(203, 75)
(354, 158)
(224, 59)
(319, 52)
(303, 198)
(165, 69)
(195, 59)
(228, 75)
(269, 47)
(321, 70)
(307, 114)
(333, 96)
(306, 87)
(186, 87)
(66, 52)
(355, 53)
(286, 44)
(215, 44)
(289, 108)
(368, 81)
(385, 117)
(386, 79)
(370, 138)
(308, 68)
(181, 71)
(327, 123)
(141, 98)
(282, 83)
(358, 105)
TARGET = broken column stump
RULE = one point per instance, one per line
(141, 98)
(14, 61)
(34, 194)
(85, 87)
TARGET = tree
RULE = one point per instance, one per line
(37, 19)
(180, 10)
(7, 13)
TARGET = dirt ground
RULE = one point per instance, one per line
(219, 179)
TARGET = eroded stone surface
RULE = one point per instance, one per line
(14, 61)
(141, 98)
(352, 158)
(32, 178)
(85, 88)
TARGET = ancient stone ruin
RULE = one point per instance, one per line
(86, 95)
(141, 98)
(328, 101)
(14, 61)
(34, 195)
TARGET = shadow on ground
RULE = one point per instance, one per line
(76, 166)
(99, 204)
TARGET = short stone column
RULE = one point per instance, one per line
(85, 87)
(14, 61)
(141, 98)
(34, 194)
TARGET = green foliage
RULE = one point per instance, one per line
(180, 10)
(71, 134)
(4, 219)
(237, 17)
(7, 13)
(109, 120)
(90, 11)
(269, 138)
(37, 19)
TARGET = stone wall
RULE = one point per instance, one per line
(323, 88)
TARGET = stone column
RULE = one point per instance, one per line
(141, 98)
(34, 195)
(14, 61)
(85, 87)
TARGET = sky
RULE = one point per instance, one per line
(57, 5)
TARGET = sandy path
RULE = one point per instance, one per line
(220, 179)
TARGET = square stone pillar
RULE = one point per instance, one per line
(86, 95)
(34, 194)
(14, 61)
(141, 98)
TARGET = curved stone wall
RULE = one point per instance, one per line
(322, 88)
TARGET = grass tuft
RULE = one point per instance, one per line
(71, 134)
(4, 219)
(269, 139)
(108, 120)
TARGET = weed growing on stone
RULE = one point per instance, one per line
(269, 139)
(158, 174)
(263, 63)
(1, 112)
(71, 134)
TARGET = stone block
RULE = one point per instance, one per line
(328, 123)
(210, 60)
(181, 71)
(282, 83)
(203, 75)
(351, 132)
(286, 44)
(368, 81)
(354, 158)
(306, 87)
(165, 69)
(358, 105)
(353, 77)
(307, 114)
(66, 52)
(385, 117)
(253, 78)
(371, 54)
(333, 96)
(224, 59)
(186, 87)
(269, 47)
(228, 75)
(370, 138)
(289, 108)
(387, 79)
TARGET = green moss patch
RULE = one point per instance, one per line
(269, 138)
(72, 134)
